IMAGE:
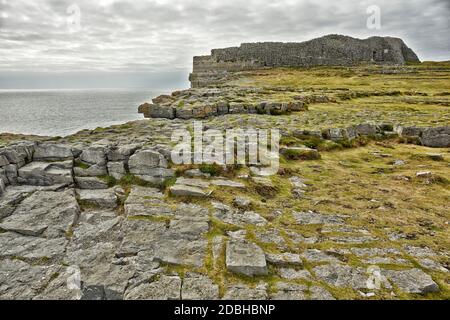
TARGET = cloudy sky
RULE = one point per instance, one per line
(137, 43)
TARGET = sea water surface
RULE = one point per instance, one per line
(64, 112)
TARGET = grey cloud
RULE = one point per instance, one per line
(163, 35)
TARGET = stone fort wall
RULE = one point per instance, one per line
(331, 50)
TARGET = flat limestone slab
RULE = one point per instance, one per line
(245, 258)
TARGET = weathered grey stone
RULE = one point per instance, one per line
(13, 156)
(117, 169)
(408, 131)
(436, 137)
(144, 160)
(307, 218)
(44, 213)
(187, 191)
(22, 281)
(245, 258)
(292, 274)
(242, 203)
(289, 291)
(105, 198)
(230, 216)
(46, 174)
(163, 288)
(272, 236)
(412, 281)
(199, 287)
(140, 235)
(227, 183)
(58, 288)
(157, 175)
(146, 202)
(340, 275)
(361, 252)
(157, 111)
(90, 183)
(14, 245)
(432, 265)
(193, 182)
(180, 251)
(93, 171)
(243, 292)
(284, 259)
(52, 152)
(315, 255)
(12, 173)
(419, 252)
(367, 129)
(94, 155)
(352, 239)
(10, 199)
(122, 152)
(190, 228)
(2, 185)
(319, 293)
(3, 161)
(386, 260)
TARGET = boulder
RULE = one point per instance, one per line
(367, 129)
(46, 173)
(408, 131)
(412, 281)
(3, 161)
(158, 111)
(436, 137)
(122, 152)
(12, 173)
(144, 160)
(117, 169)
(52, 152)
(13, 156)
(94, 155)
(245, 258)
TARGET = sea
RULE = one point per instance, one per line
(64, 112)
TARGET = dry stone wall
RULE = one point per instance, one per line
(331, 50)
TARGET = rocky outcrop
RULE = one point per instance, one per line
(204, 103)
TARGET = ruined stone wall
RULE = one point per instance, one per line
(332, 50)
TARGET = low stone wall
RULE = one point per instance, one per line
(46, 163)
(80, 166)
(221, 108)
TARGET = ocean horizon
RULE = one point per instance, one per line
(62, 112)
